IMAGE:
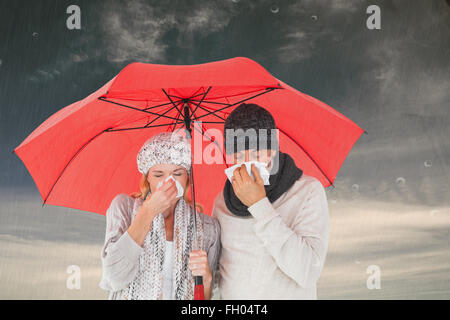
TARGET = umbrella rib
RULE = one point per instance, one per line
(161, 115)
(145, 127)
(193, 112)
(137, 109)
(206, 108)
(306, 152)
(214, 114)
(199, 106)
(213, 102)
(171, 101)
(196, 119)
(159, 105)
(179, 112)
(189, 97)
(71, 159)
(233, 104)
(201, 100)
(178, 116)
(236, 95)
(222, 122)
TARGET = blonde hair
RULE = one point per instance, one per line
(144, 187)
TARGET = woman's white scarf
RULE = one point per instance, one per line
(148, 283)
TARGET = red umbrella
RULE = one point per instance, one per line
(85, 154)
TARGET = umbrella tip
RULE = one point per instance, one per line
(366, 132)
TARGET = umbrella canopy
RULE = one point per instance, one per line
(85, 154)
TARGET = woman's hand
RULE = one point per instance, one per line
(156, 203)
(247, 190)
(198, 263)
(161, 199)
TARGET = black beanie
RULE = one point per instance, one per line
(250, 116)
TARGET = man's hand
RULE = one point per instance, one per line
(247, 190)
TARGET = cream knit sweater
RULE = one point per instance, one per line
(279, 251)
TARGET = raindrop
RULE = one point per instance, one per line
(427, 163)
(235, 1)
(357, 261)
(1, 61)
(355, 187)
(314, 17)
(35, 34)
(400, 181)
(274, 9)
(334, 201)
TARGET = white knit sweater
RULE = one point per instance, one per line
(279, 251)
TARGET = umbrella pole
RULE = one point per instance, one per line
(199, 293)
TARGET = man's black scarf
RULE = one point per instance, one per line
(280, 182)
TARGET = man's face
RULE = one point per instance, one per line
(254, 155)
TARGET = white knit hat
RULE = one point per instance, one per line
(164, 148)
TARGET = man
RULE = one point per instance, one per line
(274, 237)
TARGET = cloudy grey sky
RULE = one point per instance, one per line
(392, 82)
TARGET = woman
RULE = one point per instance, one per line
(148, 251)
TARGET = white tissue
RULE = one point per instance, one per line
(261, 166)
(178, 185)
